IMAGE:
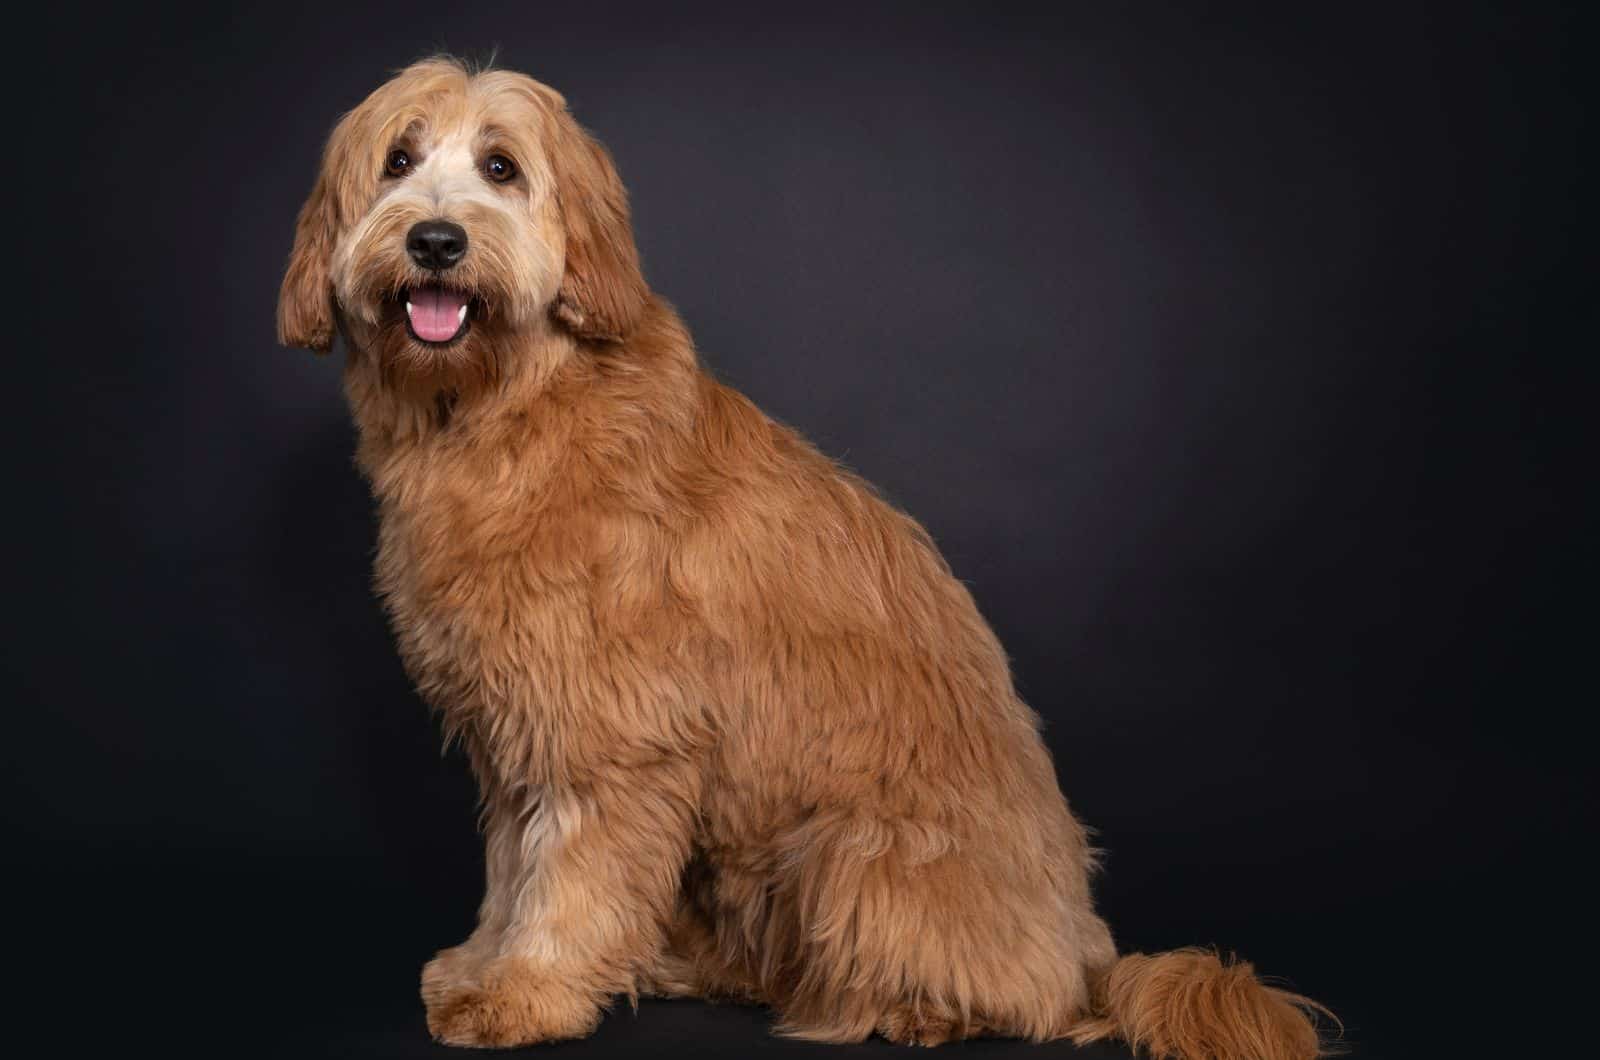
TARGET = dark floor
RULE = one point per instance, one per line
(287, 958)
(673, 1028)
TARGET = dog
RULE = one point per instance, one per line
(739, 732)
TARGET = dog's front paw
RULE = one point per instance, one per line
(907, 1025)
(510, 1003)
(451, 968)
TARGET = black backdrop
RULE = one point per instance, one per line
(1224, 354)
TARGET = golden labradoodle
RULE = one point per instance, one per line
(739, 732)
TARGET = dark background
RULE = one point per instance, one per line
(1231, 357)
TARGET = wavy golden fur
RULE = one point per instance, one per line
(738, 730)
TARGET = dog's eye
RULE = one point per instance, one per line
(398, 164)
(498, 168)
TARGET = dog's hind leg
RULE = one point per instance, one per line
(922, 936)
(693, 962)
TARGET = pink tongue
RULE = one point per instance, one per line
(436, 313)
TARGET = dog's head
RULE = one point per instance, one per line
(453, 212)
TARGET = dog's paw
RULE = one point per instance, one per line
(509, 1004)
(907, 1026)
(457, 966)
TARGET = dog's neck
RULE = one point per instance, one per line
(550, 399)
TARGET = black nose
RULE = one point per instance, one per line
(436, 244)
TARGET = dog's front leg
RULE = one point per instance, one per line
(597, 871)
(508, 815)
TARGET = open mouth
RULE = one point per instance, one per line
(437, 315)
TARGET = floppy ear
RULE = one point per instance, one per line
(602, 290)
(305, 301)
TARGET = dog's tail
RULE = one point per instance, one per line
(1191, 1005)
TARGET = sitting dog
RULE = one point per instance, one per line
(738, 730)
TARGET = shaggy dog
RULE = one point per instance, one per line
(738, 730)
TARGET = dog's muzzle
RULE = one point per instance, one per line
(435, 312)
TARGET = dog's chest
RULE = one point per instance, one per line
(506, 596)
(485, 583)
